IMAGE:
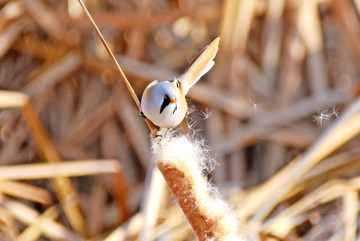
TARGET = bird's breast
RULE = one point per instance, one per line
(169, 117)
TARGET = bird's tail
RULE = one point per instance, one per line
(200, 65)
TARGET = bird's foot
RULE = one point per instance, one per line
(158, 135)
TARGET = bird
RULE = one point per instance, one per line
(164, 102)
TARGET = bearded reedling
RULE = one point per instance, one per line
(164, 103)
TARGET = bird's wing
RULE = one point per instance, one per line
(200, 65)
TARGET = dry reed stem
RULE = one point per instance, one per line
(9, 227)
(173, 220)
(56, 169)
(209, 12)
(262, 200)
(48, 51)
(25, 191)
(35, 229)
(341, 132)
(285, 221)
(53, 74)
(273, 43)
(332, 167)
(89, 122)
(66, 169)
(10, 34)
(27, 215)
(129, 229)
(336, 167)
(63, 169)
(154, 198)
(279, 117)
(136, 131)
(94, 217)
(12, 99)
(334, 189)
(121, 191)
(45, 18)
(350, 200)
(151, 126)
(62, 185)
(310, 30)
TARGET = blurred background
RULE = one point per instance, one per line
(286, 70)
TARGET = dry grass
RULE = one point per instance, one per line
(279, 110)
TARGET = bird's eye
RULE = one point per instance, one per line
(166, 97)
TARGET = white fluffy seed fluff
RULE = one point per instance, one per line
(191, 157)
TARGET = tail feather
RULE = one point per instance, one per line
(200, 65)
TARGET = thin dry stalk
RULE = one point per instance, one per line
(62, 170)
(53, 74)
(62, 185)
(121, 195)
(155, 197)
(35, 229)
(45, 17)
(10, 34)
(266, 197)
(123, 76)
(350, 200)
(25, 191)
(27, 216)
(9, 226)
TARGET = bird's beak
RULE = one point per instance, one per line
(173, 100)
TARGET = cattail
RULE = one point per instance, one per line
(182, 161)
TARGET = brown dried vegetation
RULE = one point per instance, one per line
(274, 110)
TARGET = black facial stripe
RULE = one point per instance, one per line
(165, 103)
(175, 109)
(178, 83)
